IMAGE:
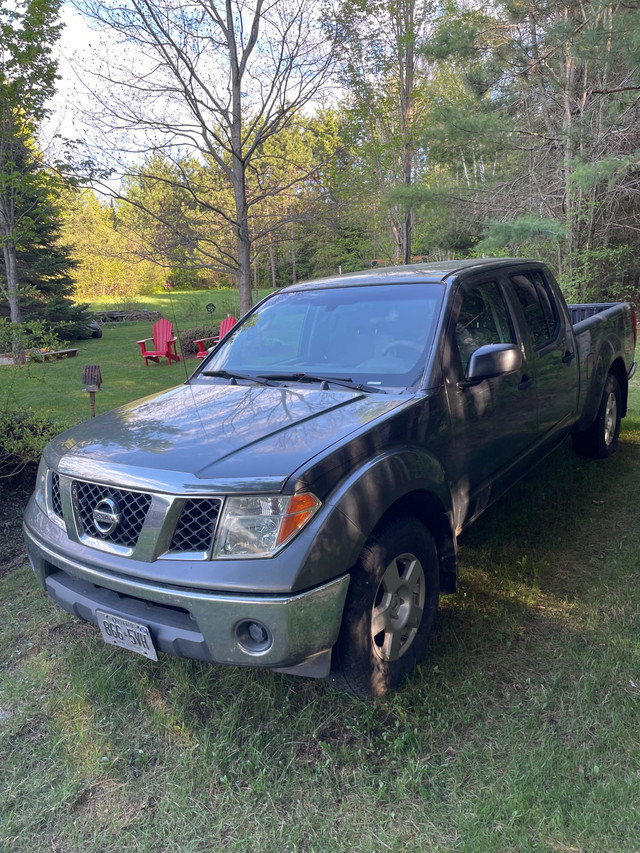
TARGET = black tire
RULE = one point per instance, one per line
(394, 587)
(601, 439)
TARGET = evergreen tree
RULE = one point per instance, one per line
(27, 79)
(45, 265)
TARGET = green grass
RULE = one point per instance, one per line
(520, 731)
(183, 306)
(56, 387)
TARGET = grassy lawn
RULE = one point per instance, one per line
(520, 732)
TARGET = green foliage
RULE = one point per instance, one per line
(187, 337)
(188, 279)
(23, 435)
(458, 39)
(521, 116)
(107, 264)
(518, 233)
(32, 334)
(32, 265)
(601, 274)
(45, 265)
(346, 249)
(609, 171)
(28, 30)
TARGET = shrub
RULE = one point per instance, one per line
(23, 435)
(32, 334)
(188, 336)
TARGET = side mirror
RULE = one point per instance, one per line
(493, 360)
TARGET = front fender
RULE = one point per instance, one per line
(362, 499)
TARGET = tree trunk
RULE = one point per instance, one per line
(11, 270)
(294, 272)
(272, 262)
(256, 276)
(243, 276)
(243, 238)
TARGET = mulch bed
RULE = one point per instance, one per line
(12, 505)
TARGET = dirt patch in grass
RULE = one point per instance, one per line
(12, 550)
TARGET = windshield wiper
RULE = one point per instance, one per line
(344, 381)
(233, 375)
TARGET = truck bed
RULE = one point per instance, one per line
(579, 312)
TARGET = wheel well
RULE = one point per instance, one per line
(428, 509)
(618, 370)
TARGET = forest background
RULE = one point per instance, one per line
(256, 144)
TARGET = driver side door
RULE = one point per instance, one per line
(493, 421)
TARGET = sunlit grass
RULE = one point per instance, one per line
(56, 387)
(520, 731)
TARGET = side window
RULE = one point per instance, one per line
(533, 294)
(483, 320)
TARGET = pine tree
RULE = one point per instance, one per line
(27, 79)
(45, 265)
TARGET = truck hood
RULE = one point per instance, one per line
(204, 437)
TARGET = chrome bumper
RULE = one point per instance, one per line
(201, 625)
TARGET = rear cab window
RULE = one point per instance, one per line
(538, 306)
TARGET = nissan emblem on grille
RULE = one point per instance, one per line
(106, 516)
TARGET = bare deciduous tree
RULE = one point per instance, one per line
(215, 79)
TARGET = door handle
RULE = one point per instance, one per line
(525, 382)
(568, 357)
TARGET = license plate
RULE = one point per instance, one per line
(129, 635)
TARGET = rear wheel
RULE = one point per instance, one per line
(390, 608)
(601, 439)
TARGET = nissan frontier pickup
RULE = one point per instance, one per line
(295, 503)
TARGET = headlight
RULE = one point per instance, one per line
(41, 486)
(259, 526)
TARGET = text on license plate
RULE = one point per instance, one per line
(129, 635)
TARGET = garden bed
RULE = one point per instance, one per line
(52, 355)
(39, 355)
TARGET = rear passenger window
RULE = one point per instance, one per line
(533, 294)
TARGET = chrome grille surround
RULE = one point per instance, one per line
(133, 506)
(144, 526)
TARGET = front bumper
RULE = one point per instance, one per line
(199, 624)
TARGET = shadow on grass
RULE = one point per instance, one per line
(525, 567)
(537, 565)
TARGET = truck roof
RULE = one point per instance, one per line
(431, 271)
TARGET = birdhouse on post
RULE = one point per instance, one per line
(92, 380)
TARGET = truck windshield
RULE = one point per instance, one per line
(371, 335)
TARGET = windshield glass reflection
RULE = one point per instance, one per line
(375, 336)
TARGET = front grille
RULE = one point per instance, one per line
(195, 527)
(132, 510)
(56, 499)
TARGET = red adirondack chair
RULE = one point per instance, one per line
(164, 344)
(225, 326)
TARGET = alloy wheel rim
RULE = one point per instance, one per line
(398, 607)
(610, 418)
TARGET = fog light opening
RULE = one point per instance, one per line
(253, 637)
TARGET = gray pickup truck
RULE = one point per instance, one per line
(295, 504)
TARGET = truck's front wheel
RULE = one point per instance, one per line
(390, 608)
(601, 439)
